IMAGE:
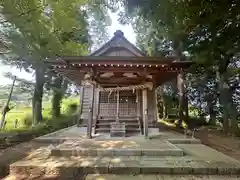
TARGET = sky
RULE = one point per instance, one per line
(126, 29)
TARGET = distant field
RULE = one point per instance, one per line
(23, 113)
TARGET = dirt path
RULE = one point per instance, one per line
(227, 145)
(214, 139)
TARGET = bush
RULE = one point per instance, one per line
(72, 108)
(27, 120)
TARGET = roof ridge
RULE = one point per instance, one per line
(117, 34)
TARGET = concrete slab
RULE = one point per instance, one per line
(184, 141)
(205, 153)
(74, 133)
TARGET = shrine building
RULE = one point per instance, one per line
(118, 86)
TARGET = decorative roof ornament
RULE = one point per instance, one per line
(119, 33)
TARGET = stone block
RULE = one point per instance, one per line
(156, 167)
(163, 152)
(120, 177)
(184, 141)
(105, 152)
(124, 167)
(26, 169)
(118, 129)
(86, 152)
(95, 165)
(127, 152)
(63, 152)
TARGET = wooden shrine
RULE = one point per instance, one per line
(118, 86)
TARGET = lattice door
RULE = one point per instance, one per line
(108, 104)
(127, 103)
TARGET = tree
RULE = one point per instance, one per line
(6, 108)
(35, 35)
(200, 28)
(168, 36)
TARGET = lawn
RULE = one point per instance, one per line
(23, 114)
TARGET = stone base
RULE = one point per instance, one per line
(68, 152)
(76, 166)
(127, 177)
(118, 129)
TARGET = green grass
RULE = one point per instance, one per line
(23, 113)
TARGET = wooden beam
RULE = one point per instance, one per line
(117, 59)
(152, 70)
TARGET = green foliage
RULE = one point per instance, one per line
(72, 108)
(23, 114)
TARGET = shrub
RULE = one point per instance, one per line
(72, 108)
(27, 120)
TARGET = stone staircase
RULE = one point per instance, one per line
(133, 125)
(89, 159)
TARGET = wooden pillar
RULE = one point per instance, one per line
(117, 118)
(139, 116)
(145, 112)
(81, 105)
(96, 109)
(138, 104)
(90, 115)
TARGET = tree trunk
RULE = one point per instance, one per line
(57, 97)
(212, 114)
(6, 107)
(223, 99)
(37, 95)
(230, 124)
(210, 110)
(163, 109)
(183, 100)
(234, 121)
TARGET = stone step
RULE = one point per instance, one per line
(127, 177)
(75, 166)
(108, 124)
(67, 152)
(158, 177)
(120, 120)
(128, 129)
(122, 117)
